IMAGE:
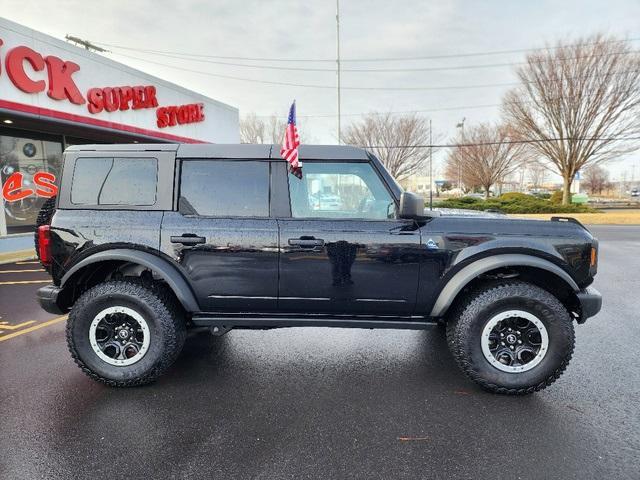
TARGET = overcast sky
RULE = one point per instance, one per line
(307, 30)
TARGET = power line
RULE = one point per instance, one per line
(505, 142)
(303, 85)
(432, 110)
(372, 70)
(332, 60)
(331, 87)
(401, 112)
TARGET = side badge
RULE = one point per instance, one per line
(431, 244)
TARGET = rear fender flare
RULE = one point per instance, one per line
(462, 278)
(162, 268)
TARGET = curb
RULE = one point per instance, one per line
(10, 257)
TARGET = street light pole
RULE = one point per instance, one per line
(461, 127)
(338, 65)
(430, 167)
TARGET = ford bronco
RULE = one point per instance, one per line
(144, 242)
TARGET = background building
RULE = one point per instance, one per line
(420, 184)
(53, 94)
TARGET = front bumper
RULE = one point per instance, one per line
(48, 299)
(590, 303)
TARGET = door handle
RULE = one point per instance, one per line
(306, 242)
(188, 239)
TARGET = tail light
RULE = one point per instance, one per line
(44, 244)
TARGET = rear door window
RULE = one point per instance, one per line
(115, 181)
(225, 188)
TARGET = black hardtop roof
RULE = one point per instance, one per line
(239, 151)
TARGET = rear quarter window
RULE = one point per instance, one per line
(115, 181)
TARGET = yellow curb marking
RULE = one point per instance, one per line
(20, 271)
(6, 326)
(25, 281)
(35, 327)
(27, 263)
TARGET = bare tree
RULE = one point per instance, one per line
(485, 154)
(398, 141)
(464, 179)
(254, 129)
(537, 174)
(276, 127)
(576, 103)
(596, 179)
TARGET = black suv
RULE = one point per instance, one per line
(146, 241)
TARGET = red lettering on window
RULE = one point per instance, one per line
(46, 181)
(12, 190)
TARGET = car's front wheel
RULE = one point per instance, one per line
(125, 333)
(511, 337)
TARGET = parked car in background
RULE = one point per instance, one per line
(481, 196)
(325, 201)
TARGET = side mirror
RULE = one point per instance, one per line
(412, 207)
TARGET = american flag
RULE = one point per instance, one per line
(291, 142)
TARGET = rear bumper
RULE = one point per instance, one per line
(590, 303)
(48, 299)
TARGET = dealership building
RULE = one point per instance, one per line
(54, 94)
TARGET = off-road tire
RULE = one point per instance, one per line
(44, 218)
(466, 324)
(160, 310)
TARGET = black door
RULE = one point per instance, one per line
(223, 236)
(343, 251)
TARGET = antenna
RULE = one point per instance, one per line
(85, 43)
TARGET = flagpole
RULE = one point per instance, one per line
(430, 168)
(338, 64)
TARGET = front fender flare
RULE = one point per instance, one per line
(161, 267)
(471, 271)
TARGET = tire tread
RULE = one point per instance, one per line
(460, 321)
(160, 300)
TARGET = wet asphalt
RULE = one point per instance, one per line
(323, 403)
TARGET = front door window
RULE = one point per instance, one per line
(340, 190)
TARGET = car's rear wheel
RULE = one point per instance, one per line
(125, 333)
(511, 337)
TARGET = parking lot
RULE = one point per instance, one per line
(322, 403)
